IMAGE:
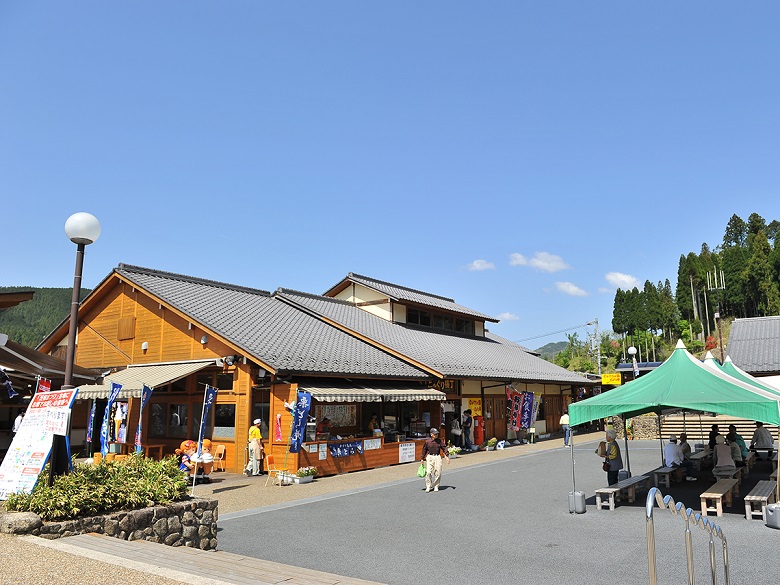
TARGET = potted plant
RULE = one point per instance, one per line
(491, 444)
(305, 474)
(453, 451)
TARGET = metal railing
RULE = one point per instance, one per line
(655, 496)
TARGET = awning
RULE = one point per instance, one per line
(350, 392)
(339, 393)
(135, 376)
(31, 362)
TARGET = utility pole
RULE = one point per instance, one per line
(719, 285)
(598, 342)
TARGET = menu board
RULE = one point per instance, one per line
(47, 415)
(405, 452)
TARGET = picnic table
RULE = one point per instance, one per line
(699, 458)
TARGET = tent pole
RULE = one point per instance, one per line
(661, 439)
(625, 437)
(573, 478)
(701, 429)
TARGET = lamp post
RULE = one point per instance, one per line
(82, 229)
(634, 366)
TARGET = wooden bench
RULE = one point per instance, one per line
(720, 493)
(762, 494)
(624, 488)
(699, 458)
(663, 475)
(750, 460)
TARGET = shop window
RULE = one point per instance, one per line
(177, 420)
(225, 421)
(262, 410)
(197, 412)
(225, 381)
(157, 420)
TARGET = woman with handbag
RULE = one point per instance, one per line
(455, 431)
(613, 462)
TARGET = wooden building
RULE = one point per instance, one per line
(365, 347)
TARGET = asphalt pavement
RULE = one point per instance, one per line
(500, 517)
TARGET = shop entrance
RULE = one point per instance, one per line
(553, 409)
(494, 411)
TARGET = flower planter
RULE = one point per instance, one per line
(304, 479)
(286, 479)
(490, 448)
(453, 455)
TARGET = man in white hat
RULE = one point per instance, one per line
(673, 457)
(255, 465)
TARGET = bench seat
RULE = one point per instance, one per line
(719, 493)
(663, 475)
(761, 495)
(624, 488)
(750, 461)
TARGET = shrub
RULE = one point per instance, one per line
(90, 490)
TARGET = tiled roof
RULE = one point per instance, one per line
(402, 293)
(754, 344)
(279, 335)
(451, 355)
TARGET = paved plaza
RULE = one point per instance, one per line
(499, 518)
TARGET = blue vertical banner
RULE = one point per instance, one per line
(300, 417)
(208, 399)
(91, 422)
(115, 388)
(527, 410)
(146, 394)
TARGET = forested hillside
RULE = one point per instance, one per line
(29, 322)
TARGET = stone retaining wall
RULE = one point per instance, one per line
(190, 523)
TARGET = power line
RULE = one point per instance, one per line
(556, 332)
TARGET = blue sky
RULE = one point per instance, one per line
(525, 158)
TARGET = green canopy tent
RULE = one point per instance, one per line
(681, 383)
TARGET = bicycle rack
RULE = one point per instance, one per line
(655, 496)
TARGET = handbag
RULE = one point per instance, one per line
(605, 466)
(456, 432)
(421, 472)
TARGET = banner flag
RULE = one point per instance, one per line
(535, 411)
(91, 421)
(208, 399)
(528, 405)
(300, 418)
(636, 367)
(517, 404)
(115, 388)
(8, 385)
(43, 385)
(146, 394)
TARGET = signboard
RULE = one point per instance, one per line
(406, 452)
(371, 444)
(475, 404)
(46, 415)
(611, 379)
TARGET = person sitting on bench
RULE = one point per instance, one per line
(723, 465)
(762, 439)
(673, 457)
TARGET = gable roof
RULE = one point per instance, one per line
(754, 344)
(401, 293)
(449, 355)
(268, 330)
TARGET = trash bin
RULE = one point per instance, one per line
(577, 502)
(623, 474)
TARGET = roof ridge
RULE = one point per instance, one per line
(422, 292)
(193, 279)
(292, 291)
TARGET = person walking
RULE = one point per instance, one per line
(467, 424)
(613, 462)
(432, 451)
(564, 422)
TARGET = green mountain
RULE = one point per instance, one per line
(550, 350)
(29, 322)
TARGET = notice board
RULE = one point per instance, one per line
(47, 414)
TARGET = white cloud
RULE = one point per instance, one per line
(543, 261)
(516, 259)
(570, 289)
(481, 265)
(508, 317)
(622, 281)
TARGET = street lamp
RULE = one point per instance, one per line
(634, 366)
(82, 229)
